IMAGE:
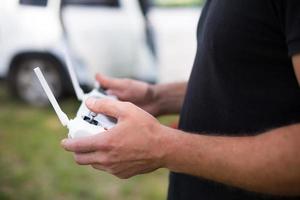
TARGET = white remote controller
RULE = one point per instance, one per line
(105, 121)
(84, 124)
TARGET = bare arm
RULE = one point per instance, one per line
(268, 163)
(169, 97)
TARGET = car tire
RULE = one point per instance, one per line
(25, 85)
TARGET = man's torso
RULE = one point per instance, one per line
(242, 83)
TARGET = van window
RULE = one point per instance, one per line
(34, 2)
(178, 3)
(110, 3)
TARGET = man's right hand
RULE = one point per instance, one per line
(140, 93)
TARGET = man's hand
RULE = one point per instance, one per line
(157, 99)
(134, 146)
(140, 93)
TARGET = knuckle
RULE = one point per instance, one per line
(106, 161)
(126, 105)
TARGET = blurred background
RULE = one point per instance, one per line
(153, 41)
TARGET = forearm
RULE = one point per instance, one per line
(169, 97)
(267, 163)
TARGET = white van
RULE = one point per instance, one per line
(105, 36)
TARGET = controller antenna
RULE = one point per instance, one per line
(61, 115)
(79, 92)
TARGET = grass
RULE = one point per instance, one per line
(34, 166)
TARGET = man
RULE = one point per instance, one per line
(239, 134)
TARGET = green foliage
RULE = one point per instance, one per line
(34, 166)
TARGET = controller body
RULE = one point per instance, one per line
(81, 128)
(87, 123)
(99, 119)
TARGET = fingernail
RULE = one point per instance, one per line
(63, 142)
(90, 102)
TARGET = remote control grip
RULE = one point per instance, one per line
(104, 121)
(80, 128)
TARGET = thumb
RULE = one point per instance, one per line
(106, 106)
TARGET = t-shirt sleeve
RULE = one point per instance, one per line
(291, 25)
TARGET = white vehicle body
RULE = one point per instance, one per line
(175, 31)
(27, 29)
(110, 40)
(105, 39)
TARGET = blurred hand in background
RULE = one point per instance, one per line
(139, 93)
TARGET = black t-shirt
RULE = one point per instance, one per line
(242, 82)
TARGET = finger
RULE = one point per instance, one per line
(86, 144)
(86, 158)
(125, 173)
(99, 167)
(108, 107)
(129, 172)
(80, 145)
(120, 94)
(109, 83)
(113, 92)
